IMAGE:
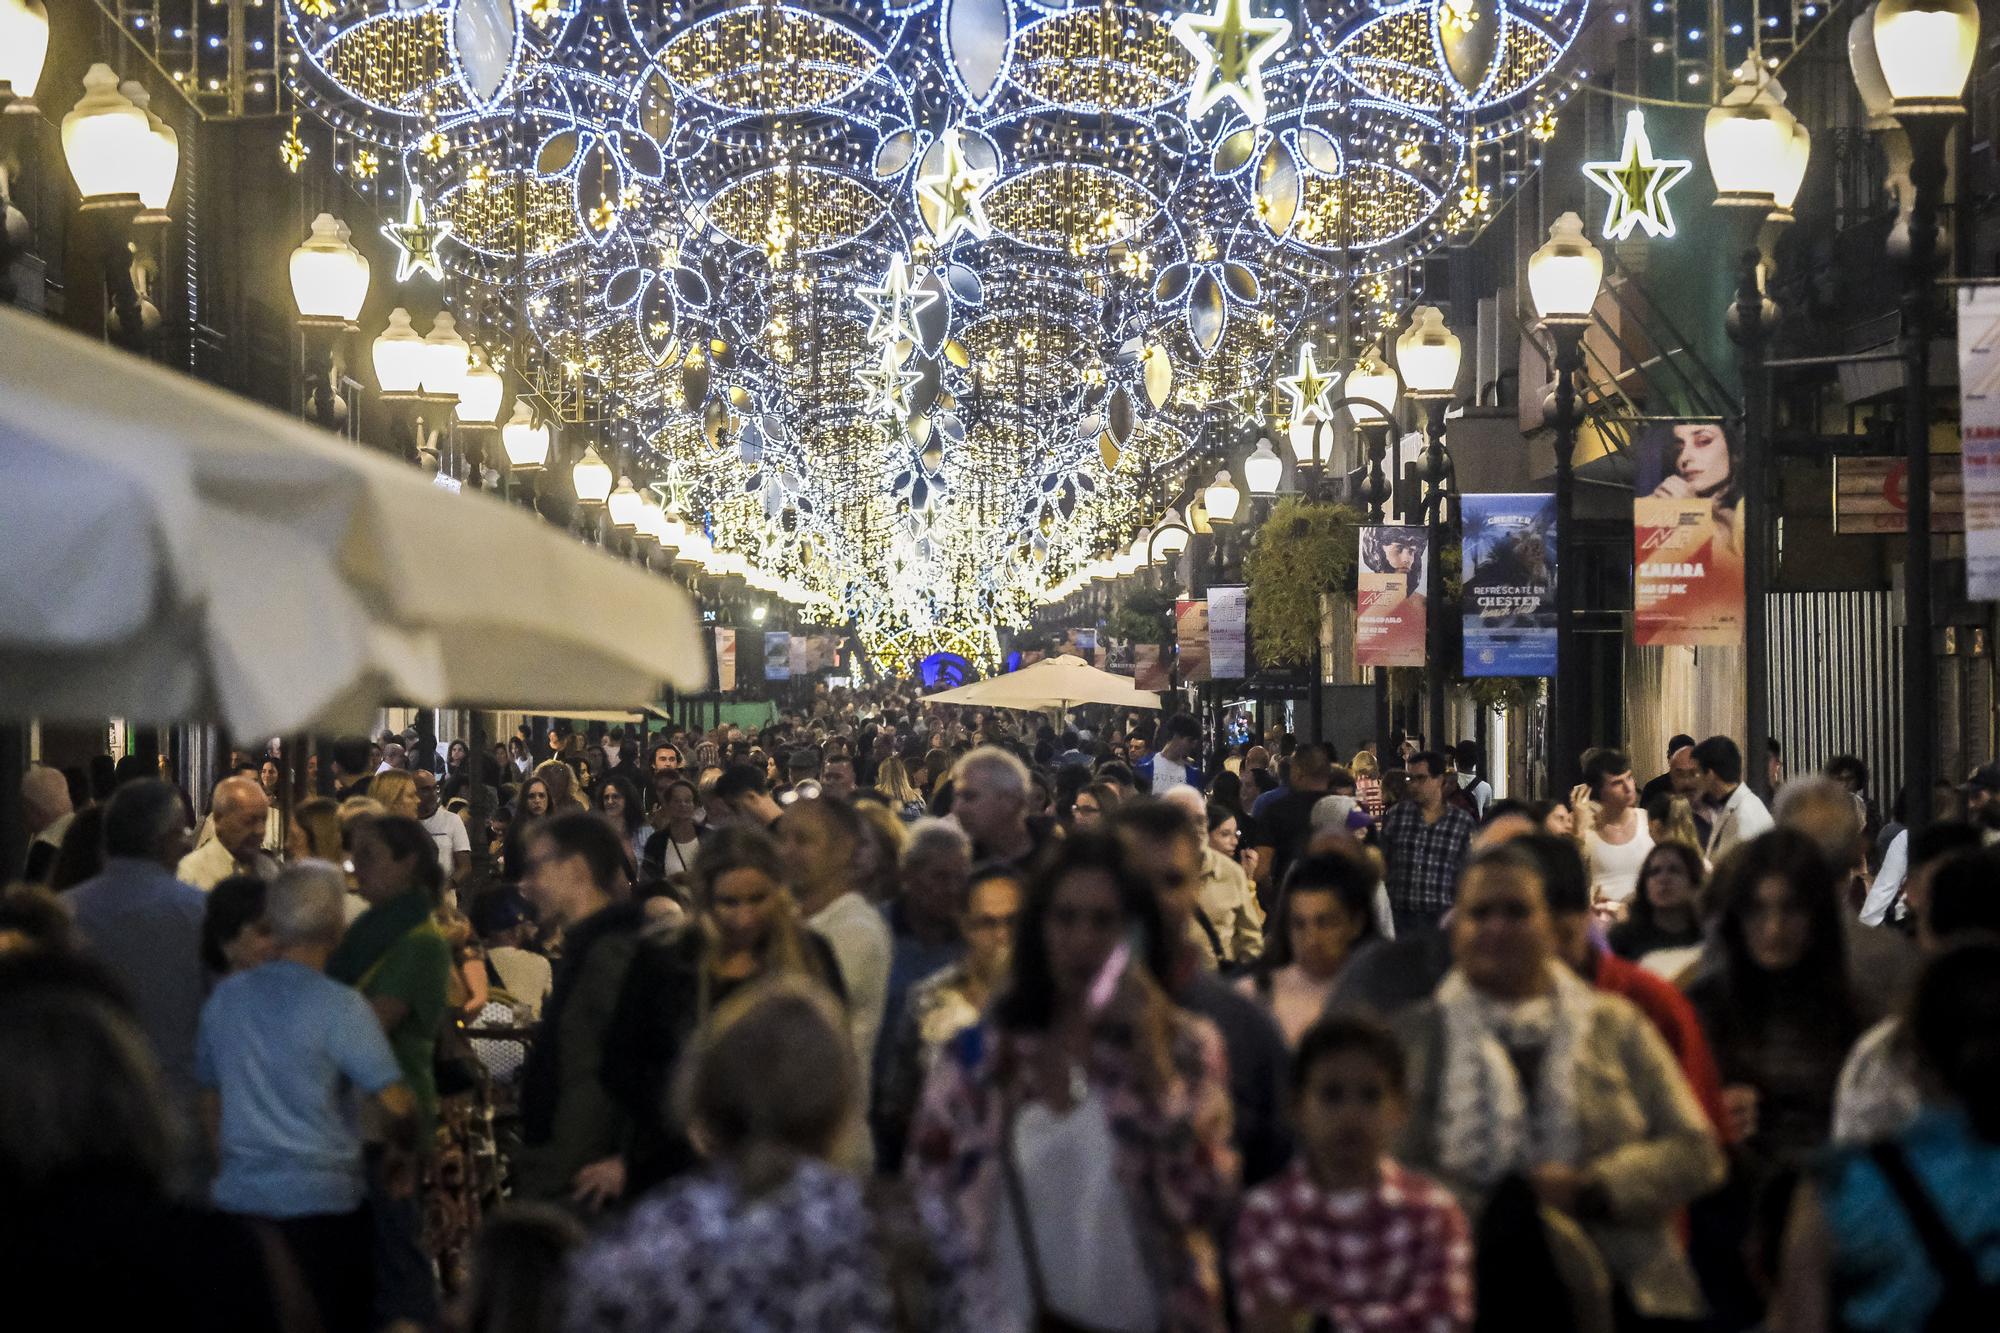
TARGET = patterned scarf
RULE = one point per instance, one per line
(1488, 1125)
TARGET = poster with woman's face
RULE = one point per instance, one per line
(1390, 611)
(1687, 461)
(1687, 538)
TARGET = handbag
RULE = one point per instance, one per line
(1968, 1302)
(1046, 1318)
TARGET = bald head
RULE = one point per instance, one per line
(240, 809)
(44, 796)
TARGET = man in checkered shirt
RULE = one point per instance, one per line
(1424, 840)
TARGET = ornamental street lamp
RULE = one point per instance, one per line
(329, 283)
(1429, 354)
(1563, 280)
(112, 154)
(1922, 51)
(1220, 499)
(1757, 153)
(24, 49)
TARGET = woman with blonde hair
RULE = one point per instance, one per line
(746, 928)
(560, 779)
(892, 779)
(395, 791)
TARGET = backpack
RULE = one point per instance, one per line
(1969, 1302)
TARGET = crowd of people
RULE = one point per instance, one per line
(889, 1015)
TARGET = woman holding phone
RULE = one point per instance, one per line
(1082, 1131)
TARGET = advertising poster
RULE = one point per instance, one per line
(1687, 538)
(1149, 669)
(801, 656)
(1114, 655)
(777, 655)
(1229, 632)
(1079, 643)
(725, 659)
(1391, 618)
(1191, 627)
(1510, 585)
(1979, 406)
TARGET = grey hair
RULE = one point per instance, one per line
(1817, 790)
(45, 791)
(932, 838)
(1006, 769)
(307, 904)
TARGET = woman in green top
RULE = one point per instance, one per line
(394, 953)
(396, 956)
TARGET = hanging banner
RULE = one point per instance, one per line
(1229, 631)
(1979, 415)
(1687, 538)
(777, 655)
(1191, 628)
(725, 659)
(1509, 559)
(801, 657)
(1079, 643)
(1149, 668)
(1392, 617)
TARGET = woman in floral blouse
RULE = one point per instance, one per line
(1092, 1107)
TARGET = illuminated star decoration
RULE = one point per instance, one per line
(893, 305)
(416, 239)
(952, 196)
(888, 384)
(1637, 183)
(1229, 49)
(1311, 390)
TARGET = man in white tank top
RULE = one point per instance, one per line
(1619, 838)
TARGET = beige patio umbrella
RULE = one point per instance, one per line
(178, 553)
(1053, 682)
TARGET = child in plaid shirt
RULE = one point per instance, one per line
(1345, 1239)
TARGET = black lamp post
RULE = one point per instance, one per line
(1563, 278)
(1919, 52)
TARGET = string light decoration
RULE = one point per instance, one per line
(920, 306)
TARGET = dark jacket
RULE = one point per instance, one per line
(569, 1118)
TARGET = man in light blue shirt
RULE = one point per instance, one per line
(145, 926)
(281, 1048)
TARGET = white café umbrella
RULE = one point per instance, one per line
(1053, 682)
(178, 553)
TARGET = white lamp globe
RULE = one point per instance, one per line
(591, 478)
(525, 441)
(1748, 139)
(399, 355)
(623, 506)
(1429, 353)
(1565, 274)
(1374, 381)
(24, 49)
(447, 358)
(481, 392)
(1221, 498)
(1263, 470)
(108, 142)
(1926, 48)
(163, 160)
(329, 276)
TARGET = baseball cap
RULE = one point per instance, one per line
(1986, 777)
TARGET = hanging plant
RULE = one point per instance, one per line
(1304, 549)
(1146, 615)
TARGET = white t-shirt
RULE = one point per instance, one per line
(1167, 775)
(447, 830)
(1086, 1239)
